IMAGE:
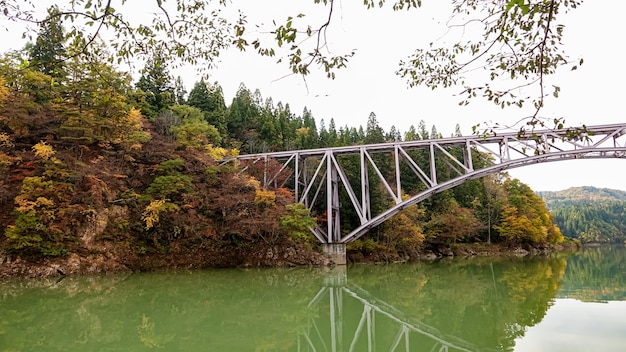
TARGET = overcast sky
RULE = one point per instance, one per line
(591, 95)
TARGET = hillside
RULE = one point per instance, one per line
(585, 194)
(99, 174)
(590, 214)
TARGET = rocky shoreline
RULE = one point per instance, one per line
(111, 262)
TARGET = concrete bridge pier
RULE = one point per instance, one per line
(336, 252)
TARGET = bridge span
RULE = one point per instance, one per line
(317, 175)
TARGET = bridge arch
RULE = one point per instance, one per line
(612, 153)
(316, 172)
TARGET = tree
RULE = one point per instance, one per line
(96, 108)
(298, 222)
(495, 198)
(403, 232)
(156, 83)
(525, 219)
(520, 41)
(242, 117)
(451, 224)
(181, 32)
(393, 135)
(48, 52)
(199, 96)
(193, 130)
(373, 133)
(411, 134)
(179, 91)
(333, 138)
(421, 130)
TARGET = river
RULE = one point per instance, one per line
(556, 303)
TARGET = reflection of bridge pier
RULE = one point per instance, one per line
(336, 252)
(334, 329)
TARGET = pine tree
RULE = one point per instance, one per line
(199, 96)
(179, 91)
(48, 52)
(373, 133)
(156, 84)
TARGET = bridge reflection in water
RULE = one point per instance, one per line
(337, 332)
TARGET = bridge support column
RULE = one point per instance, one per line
(336, 252)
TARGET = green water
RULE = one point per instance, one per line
(575, 303)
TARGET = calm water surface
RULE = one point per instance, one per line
(561, 303)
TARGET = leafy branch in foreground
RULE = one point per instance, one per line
(519, 41)
(513, 45)
(183, 32)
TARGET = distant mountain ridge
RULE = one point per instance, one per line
(590, 214)
(585, 194)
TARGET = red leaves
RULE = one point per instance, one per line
(26, 169)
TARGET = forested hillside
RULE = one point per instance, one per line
(592, 215)
(96, 165)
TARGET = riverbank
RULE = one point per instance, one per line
(463, 250)
(119, 261)
(116, 261)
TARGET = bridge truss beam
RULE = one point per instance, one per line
(317, 176)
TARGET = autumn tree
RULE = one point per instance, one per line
(525, 219)
(494, 199)
(451, 225)
(43, 209)
(403, 232)
(96, 107)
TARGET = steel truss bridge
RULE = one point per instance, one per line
(316, 175)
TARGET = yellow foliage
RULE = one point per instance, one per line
(265, 198)
(151, 213)
(216, 153)
(302, 132)
(43, 150)
(5, 140)
(43, 201)
(7, 160)
(4, 91)
(130, 131)
(133, 119)
(234, 152)
(253, 182)
(25, 205)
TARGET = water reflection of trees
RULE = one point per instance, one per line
(488, 303)
(231, 310)
(481, 303)
(596, 274)
(464, 305)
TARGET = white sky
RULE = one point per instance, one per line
(590, 95)
(572, 325)
(381, 37)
